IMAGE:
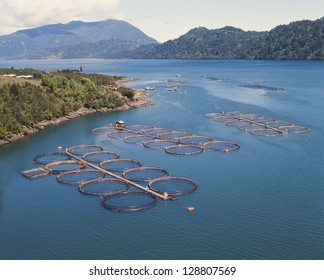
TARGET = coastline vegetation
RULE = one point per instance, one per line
(45, 96)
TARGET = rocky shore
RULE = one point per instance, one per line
(141, 99)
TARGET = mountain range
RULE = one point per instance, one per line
(300, 40)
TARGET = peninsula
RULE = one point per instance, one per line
(31, 99)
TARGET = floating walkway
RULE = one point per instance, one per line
(257, 124)
(172, 142)
(104, 174)
(120, 178)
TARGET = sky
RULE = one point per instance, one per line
(161, 19)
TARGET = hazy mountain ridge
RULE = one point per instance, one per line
(103, 49)
(52, 40)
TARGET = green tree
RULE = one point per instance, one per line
(89, 85)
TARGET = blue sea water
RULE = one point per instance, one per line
(264, 201)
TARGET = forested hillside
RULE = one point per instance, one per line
(201, 43)
(26, 101)
(302, 40)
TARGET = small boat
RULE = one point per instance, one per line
(176, 81)
(169, 88)
(149, 88)
(190, 209)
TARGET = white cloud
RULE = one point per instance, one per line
(21, 14)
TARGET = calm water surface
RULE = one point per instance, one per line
(265, 201)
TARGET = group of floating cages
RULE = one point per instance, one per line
(257, 124)
(172, 142)
(266, 88)
(123, 185)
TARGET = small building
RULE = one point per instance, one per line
(120, 124)
(25, 77)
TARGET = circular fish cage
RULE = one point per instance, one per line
(173, 185)
(237, 123)
(295, 129)
(102, 187)
(158, 144)
(119, 165)
(99, 156)
(120, 134)
(103, 130)
(174, 135)
(250, 116)
(267, 132)
(144, 174)
(140, 127)
(265, 120)
(156, 131)
(278, 124)
(57, 167)
(84, 149)
(213, 115)
(50, 157)
(195, 140)
(77, 177)
(237, 113)
(130, 201)
(225, 118)
(184, 149)
(224, 146)
(138, 139)
(250, 126)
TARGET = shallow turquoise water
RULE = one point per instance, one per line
(264, 201)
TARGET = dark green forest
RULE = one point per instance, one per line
(301, 40)
(26, 102)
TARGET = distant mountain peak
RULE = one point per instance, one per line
(228, 28)
(52, 39)
(53, 29)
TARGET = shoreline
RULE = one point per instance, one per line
(141, 99)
